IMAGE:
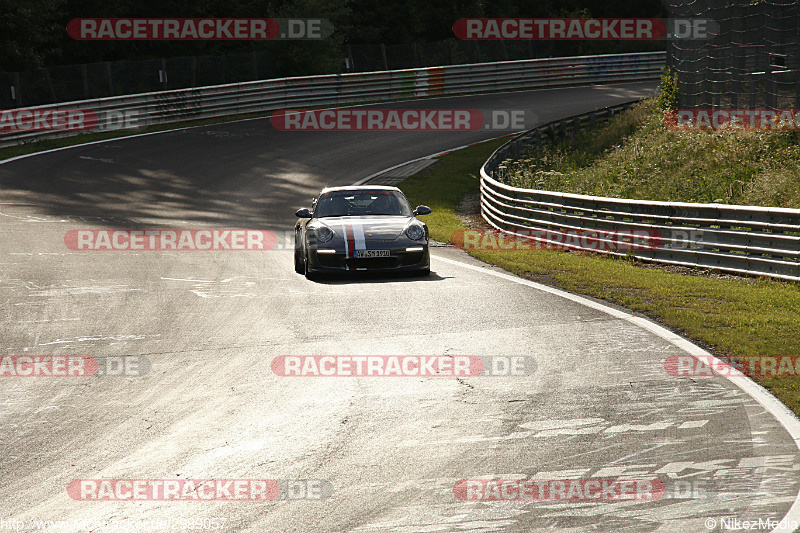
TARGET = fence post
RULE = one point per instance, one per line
(163, 76)
(797, 93)
(797, 59)
(110, 79)
(193, 69)
(50, 84)
(383, 56)
(17, 90)
(771, 88)
(350, 56)
(503, 50)
(85, 76)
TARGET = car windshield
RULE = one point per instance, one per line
(362, 202)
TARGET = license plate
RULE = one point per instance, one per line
(370, 253)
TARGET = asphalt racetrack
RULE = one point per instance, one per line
(390, 453)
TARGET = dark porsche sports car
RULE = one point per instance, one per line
(361, 228)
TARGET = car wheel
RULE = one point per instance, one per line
(309, 274)
(299, 264)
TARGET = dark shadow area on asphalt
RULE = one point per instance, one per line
(211, 182)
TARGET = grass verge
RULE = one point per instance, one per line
(726, 314)
(635, 156)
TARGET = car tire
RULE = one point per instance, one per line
(299, 251)
(299, 265)
(308, 273)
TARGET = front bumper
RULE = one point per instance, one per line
(399, 260)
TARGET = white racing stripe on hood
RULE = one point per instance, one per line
(358, 233)
(346, 240)
(353, 226)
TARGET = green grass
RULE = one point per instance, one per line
(740, 316)
(635, 156)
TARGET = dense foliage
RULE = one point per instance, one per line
(33, 32)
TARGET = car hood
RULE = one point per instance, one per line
(373, 227)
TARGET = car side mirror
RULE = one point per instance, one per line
(422, 210)
(303, 213)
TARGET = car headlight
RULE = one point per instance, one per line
(323, 233)
(415, 232)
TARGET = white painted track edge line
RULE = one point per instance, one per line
(431, 156)
(769, 402)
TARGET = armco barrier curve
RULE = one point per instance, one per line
(739, 239)
(337, 89)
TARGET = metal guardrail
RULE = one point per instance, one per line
(261, 96)
(748, 240)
